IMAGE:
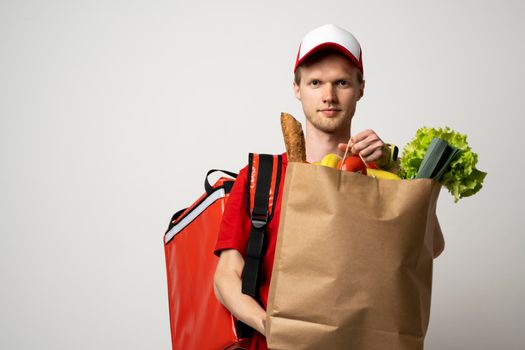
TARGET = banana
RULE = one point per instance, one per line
(382, 174)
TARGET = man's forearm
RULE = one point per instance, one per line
(228, 290)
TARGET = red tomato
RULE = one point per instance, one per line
(373, 165)
(353, 164)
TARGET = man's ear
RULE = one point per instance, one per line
(296, 91)
(361, 90)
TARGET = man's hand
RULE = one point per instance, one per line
(370, 146)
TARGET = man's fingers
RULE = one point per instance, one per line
(374, 156)
(362, 145)
(373, 147)
(342, 147)
(362, 135)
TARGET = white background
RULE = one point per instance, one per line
(112, 111)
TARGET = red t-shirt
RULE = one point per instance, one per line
(235, 231)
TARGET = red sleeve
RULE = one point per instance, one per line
(235, 225)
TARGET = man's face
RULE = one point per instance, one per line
(329, 91)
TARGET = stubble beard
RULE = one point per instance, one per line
(329, 125)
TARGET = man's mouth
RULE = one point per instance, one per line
(329, 111)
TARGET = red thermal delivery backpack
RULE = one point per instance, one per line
(197, 319)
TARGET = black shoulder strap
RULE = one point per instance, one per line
(266, 169)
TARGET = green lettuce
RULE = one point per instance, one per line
(461, 177)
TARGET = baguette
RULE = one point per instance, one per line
(293, 138)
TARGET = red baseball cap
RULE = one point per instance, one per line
(330, 36)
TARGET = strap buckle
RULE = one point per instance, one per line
(259, 220)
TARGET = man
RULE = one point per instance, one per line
(328, 82)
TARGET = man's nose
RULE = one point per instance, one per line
(329, 95)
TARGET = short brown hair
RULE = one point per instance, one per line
(316, 57)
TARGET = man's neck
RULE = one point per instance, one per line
(319, 143)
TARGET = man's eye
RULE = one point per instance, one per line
(314, 82)
(342, 83)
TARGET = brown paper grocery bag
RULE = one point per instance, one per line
(353, 262)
